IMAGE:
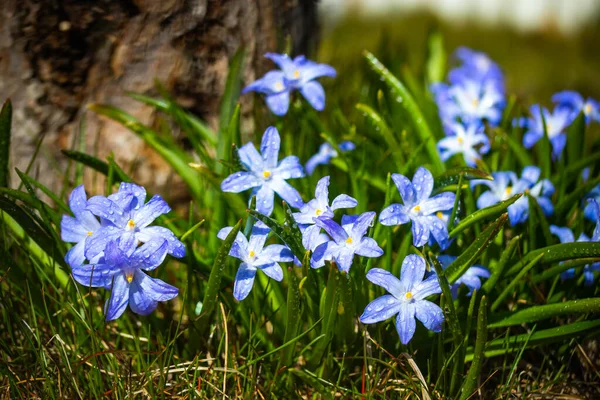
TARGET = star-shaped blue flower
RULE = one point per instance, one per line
(406, 298)
(79, 229)
(470, 141)
(319, 207)
(297, 74)
(420, 208)
(477, 66)
(471, 278)
(265, 175)
(123, 275)
(556, 125)
(575, 103)
(325, 154)
(255, 256)
(126, 218)
(348, 240)
(506, 185)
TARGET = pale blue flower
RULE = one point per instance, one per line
(406, 299)
(575, 103)
(325, 154)
(556, 126)
(265, 174)
(471, 278)
(470, 141)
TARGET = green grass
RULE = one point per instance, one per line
(527, 333)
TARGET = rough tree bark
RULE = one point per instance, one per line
(56, 56)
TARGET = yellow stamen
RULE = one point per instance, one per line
(131, 224)
(439, 214)
(460, 140)
(349, 240)
(587, 109)
(408, 295)
(475, 102)
(266, 174)
(417, 208)
(252, 253)
(508, 191)
(318, 212)
(90, 233)
(279, 86)
(296, 74)
(129, 277)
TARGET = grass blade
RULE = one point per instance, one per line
(475, 370)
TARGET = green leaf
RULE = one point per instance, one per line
(452, 176)
(191, 230)
(559, 252)
(436, 60)
(449, 309)
(177, 158)
(576, 138)
(538, 313)
(474, 373)
(502, 346)
(517, 279)
(329, 313)
(484, 213)
(94, 163)
(400, 92)
(575, 196)
(290, 235)
(472, 253)
(382, 128)
(292, 316)
(498, 270)
(214, 280)
(5, 127)
(564, 266)
(517, 149)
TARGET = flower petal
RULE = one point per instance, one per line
(240, 181)
(277, 253)
(119, 298)
(286, 192)
(265, 198)
(441, 202)
(272, 82)
(273, 270)
(413, 270)
(251, 158)
(139, 300)
(565, 235)
(344, 257)
(269, 147)
(430, 315)
(96, 243)
(310, 237)
(139, 195)
(76, 255)
(386, 280)
(72, 230)
(405, 322)
(244, 280)
(95, 275)
(322, 191)
(289, 168)
(406, 189)
(427, 287)
(314, 93)
(362, 223)
(156, 289)
(78, 204)
(333, 229)
(423, 183)
(394, 214)
(322, 253)
(343, 201)
(175, 247)
(420, 232)
(150, 255)
(439, 231)
(368, 247)
(109, 210)
(278, 103)
(380, 309)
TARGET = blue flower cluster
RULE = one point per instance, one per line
(115, 244)
(474, 94)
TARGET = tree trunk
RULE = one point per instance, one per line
(56, 56)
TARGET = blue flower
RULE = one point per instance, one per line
(78, 229)
(255, 256)
(123, 274)
(575, 103)
(297, 74)
(590, 208)
(265, 175)
(125, 218)
(477, 66)
(556, 125)
(470, 141)
(325, 154)
(319, 207)
(348, 240)
(469, 101)
(406, 299)
(565, 235)
(471, 278)
(419, 208)
(506, 185)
